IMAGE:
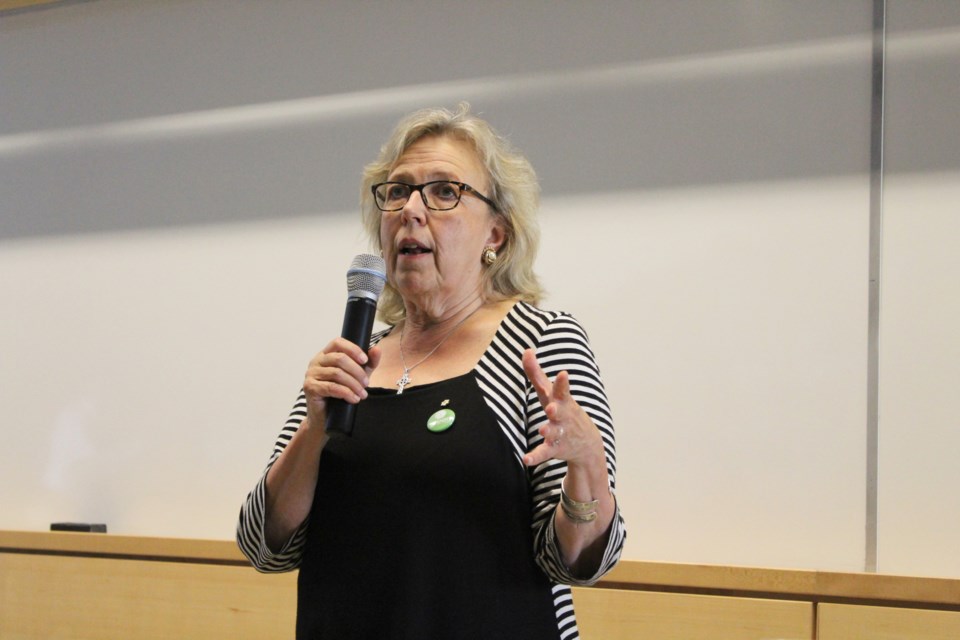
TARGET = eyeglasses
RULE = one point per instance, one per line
(438, 195)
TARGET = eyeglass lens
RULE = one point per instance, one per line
(440, 195)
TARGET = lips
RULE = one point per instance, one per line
(413, 248)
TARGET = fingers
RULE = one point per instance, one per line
(547, 393)
(373, 359)
(342, 370)
(539, 455)
(344, 346)
(561, 387)
(569, 433)
(575, 439)
(537, 376)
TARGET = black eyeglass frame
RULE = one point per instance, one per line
(463, 186)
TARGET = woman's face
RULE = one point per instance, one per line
(434, 257)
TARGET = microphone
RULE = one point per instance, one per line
(365, 279)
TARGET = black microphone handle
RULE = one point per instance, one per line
(357, 327)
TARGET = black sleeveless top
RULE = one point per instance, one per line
(422, 534)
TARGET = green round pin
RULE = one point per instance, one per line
(441, 420)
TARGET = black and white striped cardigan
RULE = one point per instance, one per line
(561, 345)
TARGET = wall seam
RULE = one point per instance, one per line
(878, 71)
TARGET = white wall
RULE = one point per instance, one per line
(177, 188)
(919, 504)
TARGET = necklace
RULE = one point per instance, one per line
(405, 378)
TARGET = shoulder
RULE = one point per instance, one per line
(562, 343)
(547, 324)
(553, 335)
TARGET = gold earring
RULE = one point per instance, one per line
(489, 255)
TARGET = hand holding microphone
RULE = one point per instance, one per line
(337, 376)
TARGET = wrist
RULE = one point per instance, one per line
(315, 430)
(586, 481)
(592, 468)
(577, 511)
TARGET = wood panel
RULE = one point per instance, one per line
(74, 585)
(615, 614)
(104, 599)
(793, 583)
(110, 598)
(141, 547)
(856, 622)
(629, 574)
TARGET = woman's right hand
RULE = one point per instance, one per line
(342, 370)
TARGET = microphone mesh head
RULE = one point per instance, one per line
(366, 276)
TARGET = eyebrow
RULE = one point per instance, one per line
(435, 175)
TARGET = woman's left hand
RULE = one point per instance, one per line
(569, 433)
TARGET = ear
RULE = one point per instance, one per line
(497, 236)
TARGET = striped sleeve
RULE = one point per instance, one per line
(561, 344)
(251, 526)
(564, 346)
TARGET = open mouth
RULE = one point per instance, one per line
(413, 249)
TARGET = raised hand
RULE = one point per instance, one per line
(569, 433)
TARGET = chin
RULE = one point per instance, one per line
(409, 284)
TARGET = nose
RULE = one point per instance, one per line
(415, 209)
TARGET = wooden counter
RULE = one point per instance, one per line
(78, 585)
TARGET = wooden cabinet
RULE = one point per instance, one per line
(619, 614)
(105, 587)
(857, 622)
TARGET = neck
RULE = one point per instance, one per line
(422, 321)
(461, 315)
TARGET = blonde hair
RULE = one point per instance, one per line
(513, 187)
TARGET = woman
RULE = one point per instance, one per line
(477, 482)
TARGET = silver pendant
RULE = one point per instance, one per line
(403, 381)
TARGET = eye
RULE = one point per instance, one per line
(445, 192)
(395, 191)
